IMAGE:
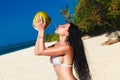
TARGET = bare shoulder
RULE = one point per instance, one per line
(66, 46)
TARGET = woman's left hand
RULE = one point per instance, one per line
(40, 25)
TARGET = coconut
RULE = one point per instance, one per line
(43, 16)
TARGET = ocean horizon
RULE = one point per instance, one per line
(16, 46)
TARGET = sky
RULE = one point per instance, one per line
(16, 18)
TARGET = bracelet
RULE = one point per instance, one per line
(40, 37)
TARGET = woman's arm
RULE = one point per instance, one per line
(40, 27)
(40, 46)
(52, 51)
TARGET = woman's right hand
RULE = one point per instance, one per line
(40, 24)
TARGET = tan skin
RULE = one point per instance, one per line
(62, 49)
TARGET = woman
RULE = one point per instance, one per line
(64, 54)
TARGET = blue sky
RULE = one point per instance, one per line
(16, 18)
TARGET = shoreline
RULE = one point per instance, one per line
(24, 65)
(15, 47)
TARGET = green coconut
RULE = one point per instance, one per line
(43, 16)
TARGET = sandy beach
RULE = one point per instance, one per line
(104, 62)
(24, 65)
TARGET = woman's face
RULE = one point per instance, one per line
(63, 30)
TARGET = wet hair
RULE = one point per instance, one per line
(79, 58)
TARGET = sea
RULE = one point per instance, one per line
(15, 47)
(18, 38)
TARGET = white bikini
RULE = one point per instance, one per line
(56, 62)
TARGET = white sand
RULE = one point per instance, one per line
(24, 65)
(104, 63)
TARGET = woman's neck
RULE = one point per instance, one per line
(63, 39)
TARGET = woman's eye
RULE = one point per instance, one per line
(63, 26)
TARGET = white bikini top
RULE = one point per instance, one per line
(57, 62)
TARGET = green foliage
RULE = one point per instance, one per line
(51, 37)
(66, 14)
(97, 16)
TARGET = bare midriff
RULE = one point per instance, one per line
(64, 73)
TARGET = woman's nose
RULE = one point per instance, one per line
(60, 25)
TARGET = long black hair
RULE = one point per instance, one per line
(79, 59)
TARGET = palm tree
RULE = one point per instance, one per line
(66, 14)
